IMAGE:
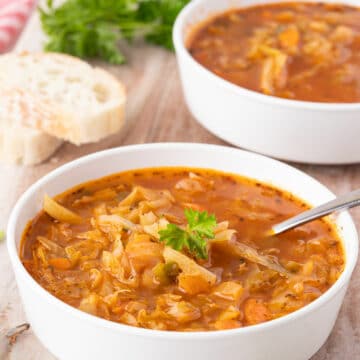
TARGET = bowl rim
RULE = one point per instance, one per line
(180, 48)
(19, 269)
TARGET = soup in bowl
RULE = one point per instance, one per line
(296, 50)
(274, 77)
(182, 249)
(169, 251)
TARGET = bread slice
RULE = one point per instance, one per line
(82, 103)
(19, 143)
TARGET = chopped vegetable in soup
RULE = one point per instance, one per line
(301, 51)
(179, 249)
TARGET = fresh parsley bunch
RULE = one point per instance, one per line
(194, 237)
(92, 28)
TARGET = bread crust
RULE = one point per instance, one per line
(19, 142)
(47, 98)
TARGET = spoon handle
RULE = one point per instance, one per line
(347, 201)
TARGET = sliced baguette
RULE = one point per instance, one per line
(19, 143)
(83, 104)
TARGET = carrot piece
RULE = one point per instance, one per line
(266, 14)
(227, 324)
(256, 312)
(290, 37)
(193, 284)
(60, 263)
(193, 206)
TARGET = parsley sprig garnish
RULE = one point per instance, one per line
(200, 227)
(92, 28)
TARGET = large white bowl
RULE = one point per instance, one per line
(292, 130)
(71, 334)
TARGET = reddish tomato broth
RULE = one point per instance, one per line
(122, 274)
(300, 51)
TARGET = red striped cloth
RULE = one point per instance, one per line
(13, 17)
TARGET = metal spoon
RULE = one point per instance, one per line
(347, 201)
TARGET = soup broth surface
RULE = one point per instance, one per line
(112, 263)
(300, 51)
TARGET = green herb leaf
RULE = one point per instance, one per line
(162, 14)
(201, 222)
(200, 228)
(175, 237)
(93, 28)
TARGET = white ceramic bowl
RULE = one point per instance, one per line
(71, 334)
(292, 130)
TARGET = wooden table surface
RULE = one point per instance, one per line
(156, 112)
